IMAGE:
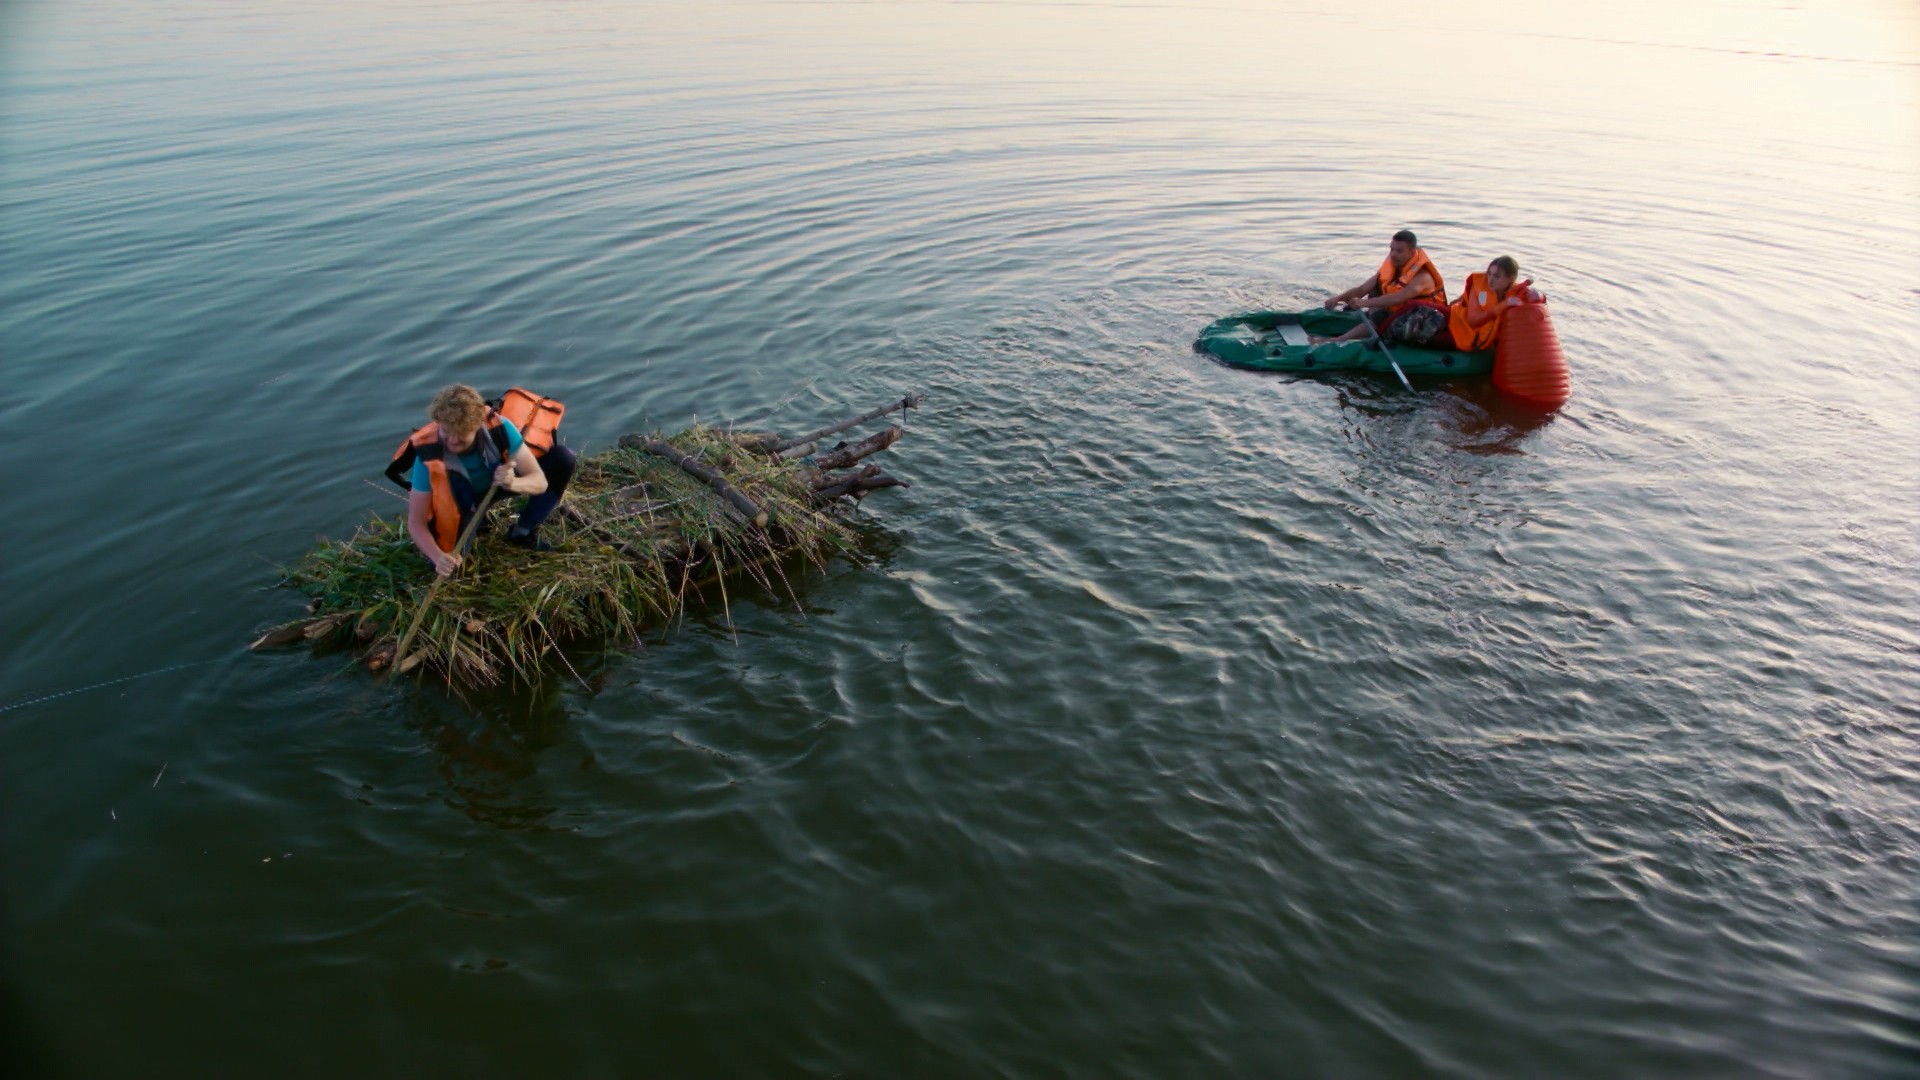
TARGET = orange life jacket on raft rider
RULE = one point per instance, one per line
(537, 418)
(1390, 278)
(1476, 301)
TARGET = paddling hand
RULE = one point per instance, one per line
(445, 563)
(503, 477)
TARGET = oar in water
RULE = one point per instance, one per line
(1378, 340)
(460, 549)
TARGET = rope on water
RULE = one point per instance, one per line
(112, 682)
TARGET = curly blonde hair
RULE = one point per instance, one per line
(459, 407)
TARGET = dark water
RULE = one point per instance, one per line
(1177, 721)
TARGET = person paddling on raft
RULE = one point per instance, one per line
(453, 464)
(1405, 297)
(1473, 321)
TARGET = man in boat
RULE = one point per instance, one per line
(1405, 299)
(1473, 320)
(467, 446)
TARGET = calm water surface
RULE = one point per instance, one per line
(1176, 722)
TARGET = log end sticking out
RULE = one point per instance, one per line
(911, 401)
(853, 485)
(280, 635)
(300, 630)
(846, 454)
(380, 655)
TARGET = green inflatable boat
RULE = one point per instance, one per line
(1277, 341)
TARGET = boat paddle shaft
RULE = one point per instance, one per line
(1378, 340)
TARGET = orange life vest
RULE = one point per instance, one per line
(1391, 278)
(538, 419)
(1476, 299)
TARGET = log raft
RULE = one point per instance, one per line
(643, 527)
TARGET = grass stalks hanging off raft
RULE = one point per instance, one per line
(636, 533)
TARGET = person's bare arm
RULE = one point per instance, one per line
(522, 475)
(1478, 315)
(1365, 288)
(419, 512)
(1422, 282)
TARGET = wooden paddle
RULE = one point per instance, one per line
(400, 664)
(1378, 340)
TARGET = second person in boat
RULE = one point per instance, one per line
(1473, 320)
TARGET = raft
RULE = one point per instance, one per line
(646, 526)
(1277, 341)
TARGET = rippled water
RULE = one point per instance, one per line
(1177, 721)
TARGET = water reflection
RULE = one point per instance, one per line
(1484, 420)
(1488, 421)
(487, 745)
(488, 742)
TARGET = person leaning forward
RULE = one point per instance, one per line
(453, 464)
(1406, 298)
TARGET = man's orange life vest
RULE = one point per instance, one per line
(1477, 300)
(538, 419)
(1391, 278)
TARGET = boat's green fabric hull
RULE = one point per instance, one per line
(1256, 341)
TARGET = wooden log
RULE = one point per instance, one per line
(842, 456)
(911, 401)
(280, 635)
(823, 481)
(828, 488)
(854, 484)
(792, 452)
(302, 630)
(875, 483)
(701, 470)
(320, 628)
